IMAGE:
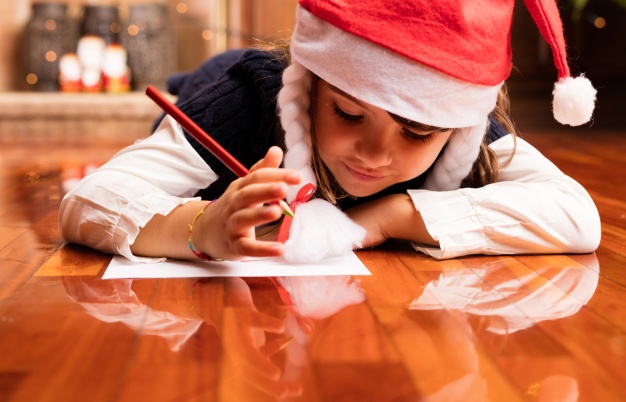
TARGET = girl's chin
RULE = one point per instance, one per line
(359, 191)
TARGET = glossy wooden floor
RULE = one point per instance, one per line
(524, 328)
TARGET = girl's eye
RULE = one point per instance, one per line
(351, 118)
(411, 136)
(424, 138)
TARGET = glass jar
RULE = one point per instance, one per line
(150, 41)
(48, 35)
(103, 21)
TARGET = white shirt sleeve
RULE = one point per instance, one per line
(152, 176)
(533, 208)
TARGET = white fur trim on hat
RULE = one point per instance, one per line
(293, 102)
(386, 79)
(458, 158)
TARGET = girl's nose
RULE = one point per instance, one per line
(375, 147)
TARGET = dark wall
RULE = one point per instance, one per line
(599, 53)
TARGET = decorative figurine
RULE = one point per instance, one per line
(69, 73)
(115, 70)
(90, 53)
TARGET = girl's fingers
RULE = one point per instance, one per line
(257, 194)
(267, 175)
(272, 159)
(256, 248)
(268, 169)
(242, 220)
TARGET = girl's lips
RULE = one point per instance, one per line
(360, 175)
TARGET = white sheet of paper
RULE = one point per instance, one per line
(348, 264)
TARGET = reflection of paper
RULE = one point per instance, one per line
(348, 264)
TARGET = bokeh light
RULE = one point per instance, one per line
(599, 22)
(116, 27)
(50, 25)
(31, 79)
(207, 34)
(51, 56)
(133, 30)
(181, 8)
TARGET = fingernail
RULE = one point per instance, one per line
(278, 189)
(293, 176)
(272, 210)
(278, 249)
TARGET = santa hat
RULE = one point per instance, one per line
(437, 63)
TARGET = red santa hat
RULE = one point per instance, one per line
(438, 63)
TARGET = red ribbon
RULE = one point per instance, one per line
(303, 196)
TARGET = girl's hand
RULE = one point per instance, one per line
(227, 228)
(392, 216)
(367, 216)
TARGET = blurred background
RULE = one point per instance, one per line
(74, 70)
(181, 33)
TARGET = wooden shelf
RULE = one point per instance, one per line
(75, 118)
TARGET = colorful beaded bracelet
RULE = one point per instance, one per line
(197, 254)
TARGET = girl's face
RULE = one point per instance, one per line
(366, 149)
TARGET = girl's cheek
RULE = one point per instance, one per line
(331, 138)
(343, 134)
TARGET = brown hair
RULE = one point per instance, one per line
(485, 169)
(327, 186)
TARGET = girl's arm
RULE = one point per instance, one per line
(144, 197)
(151, 177)
(226, 228)
(391, 217)
(533, 208)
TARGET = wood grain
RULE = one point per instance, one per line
(503, 328)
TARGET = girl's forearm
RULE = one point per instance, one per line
(393, 216)
(166, 236)
(401, 220)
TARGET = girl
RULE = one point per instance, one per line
(396, 112)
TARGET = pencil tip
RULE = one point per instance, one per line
(286, 210)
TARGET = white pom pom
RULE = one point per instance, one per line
(573, 100)
(320, 229)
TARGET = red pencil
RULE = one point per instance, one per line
(203, 138)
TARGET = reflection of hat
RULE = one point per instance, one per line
(438, 63)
